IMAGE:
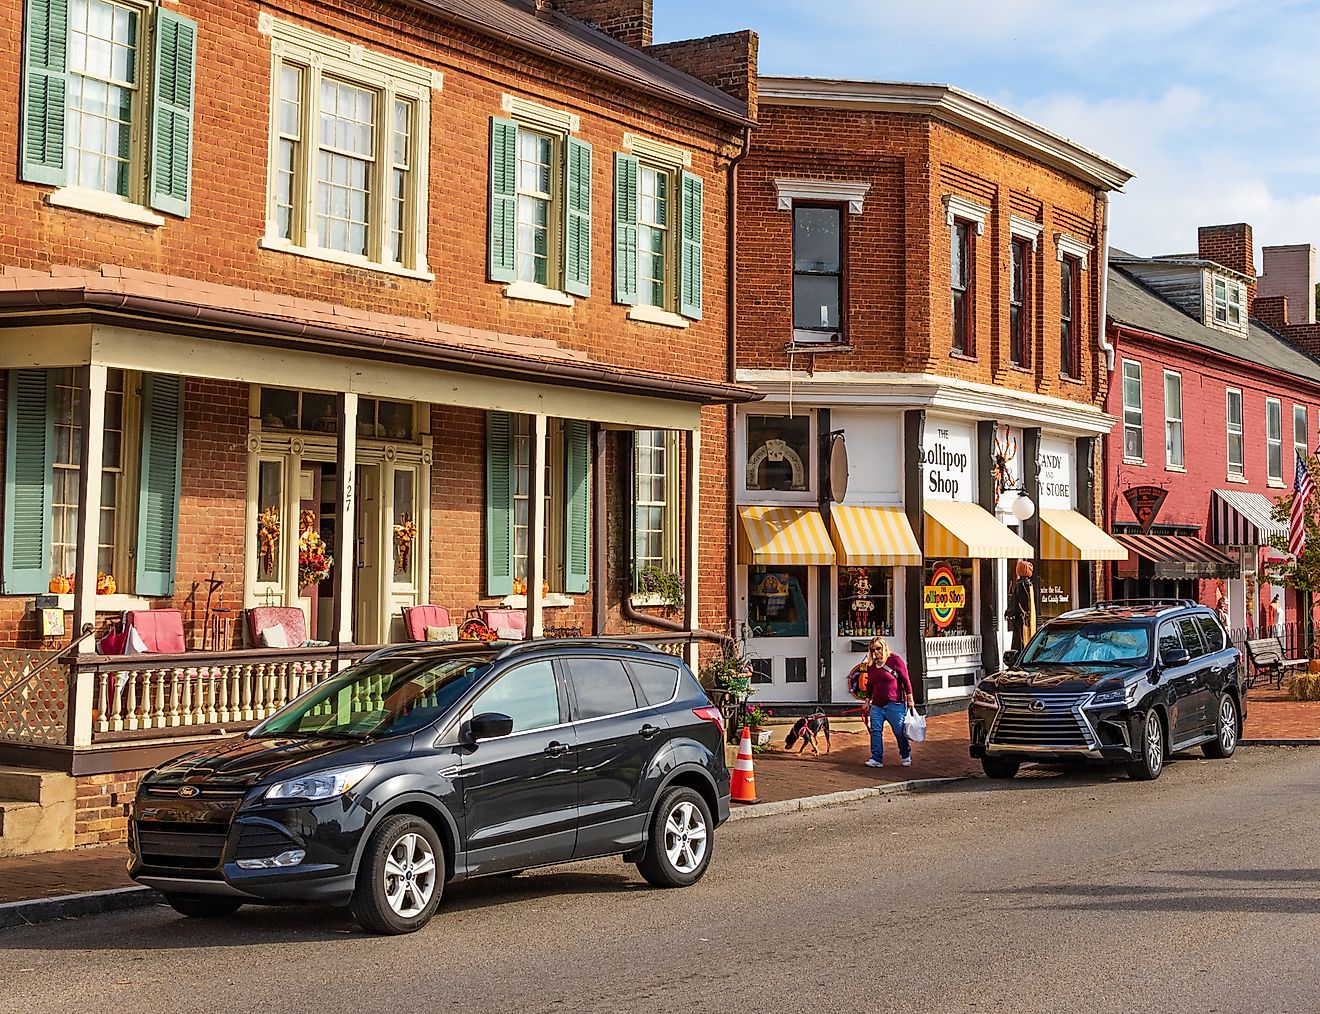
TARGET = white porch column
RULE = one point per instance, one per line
(88, 545)
(536, 527)
(345, 510)
(692, 535)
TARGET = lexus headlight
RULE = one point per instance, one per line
(984, 698)
(320, 785)
(1123, 695)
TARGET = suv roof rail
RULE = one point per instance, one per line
(521, 647)
(1120, 603)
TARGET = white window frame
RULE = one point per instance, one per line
(1273, 408)
(810, 466)
(390, 78)
(1226, 304)
(1301, 416)
(1173, 424)
(1236, 470)
(1130, 411)
(670, 160)
(670, 559)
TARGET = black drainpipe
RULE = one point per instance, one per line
(731, 436)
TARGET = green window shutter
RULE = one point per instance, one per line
(29, 447)
(689, 291)
(45, 56)
(158, 483)
(625, 229)
(172, 97)
(503, 199)
(577, 508)
(577, 218)
(499, 503)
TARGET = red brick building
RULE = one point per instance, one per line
(1216, 395)
(919, 282)
(442, 283)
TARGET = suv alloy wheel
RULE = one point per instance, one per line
(401, 877)
(680, 844)
(1149, 761)
(1226, 730)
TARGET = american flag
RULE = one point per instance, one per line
(1303, 487)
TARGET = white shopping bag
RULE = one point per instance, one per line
(915, 727)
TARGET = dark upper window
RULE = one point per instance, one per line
(960, 285)
(1068, 318)
(1019, 303)
(601, 687)
(817, 272)
(1191, 636)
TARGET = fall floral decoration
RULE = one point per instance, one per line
(105, 584)
(268, 538)
(405, 534)
(314, 562)
(476, 630)
(519, 586)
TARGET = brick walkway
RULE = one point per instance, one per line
(26, 878)
(1270, 715)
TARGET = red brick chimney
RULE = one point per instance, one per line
(629, 21)
(1230, 245)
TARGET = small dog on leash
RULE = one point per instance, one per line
(807, 730)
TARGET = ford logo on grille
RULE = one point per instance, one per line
(1033, 706)
(188, 791)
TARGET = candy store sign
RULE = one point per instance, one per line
(1056, 473)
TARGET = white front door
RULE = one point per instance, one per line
(779, 605)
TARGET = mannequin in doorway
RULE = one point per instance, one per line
(1021, 612)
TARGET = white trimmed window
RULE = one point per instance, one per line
(655, 263)
(1274, 440)
(1233, 416)
(1173, 420)
(1299, 431)
(655, 526)
(1228, 302)
(1133, 430)
(348, 158)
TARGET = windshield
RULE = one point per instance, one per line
(1088, 643)
(388, 697)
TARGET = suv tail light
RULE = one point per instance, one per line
(713, 715)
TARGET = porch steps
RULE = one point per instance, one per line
(36, 811)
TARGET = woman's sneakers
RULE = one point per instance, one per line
(871, 762)
(907, 762)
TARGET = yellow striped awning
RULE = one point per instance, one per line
(873, 537)
(968, 530)
(1068, 535)
(784, 536)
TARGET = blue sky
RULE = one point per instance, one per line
(1215, 104)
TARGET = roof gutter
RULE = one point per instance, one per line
(238, 326)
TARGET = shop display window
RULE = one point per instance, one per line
(1055, 580)
(779, 452)
(949, 598)
(866, 602)
(777, 601)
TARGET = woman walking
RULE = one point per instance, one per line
(888, 697)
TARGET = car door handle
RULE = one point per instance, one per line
(649, 731)
(557, 749)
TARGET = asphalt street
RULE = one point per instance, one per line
(1055, 893)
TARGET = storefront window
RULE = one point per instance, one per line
(949, 598)
(779, 452)
(777, 601)
(866, 602)
(1056, 587)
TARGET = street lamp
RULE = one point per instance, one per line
(1022, 507)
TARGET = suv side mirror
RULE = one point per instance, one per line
(490, 725)
(1011, 658)
(1175, 657)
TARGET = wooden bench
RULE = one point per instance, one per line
(1267, 658)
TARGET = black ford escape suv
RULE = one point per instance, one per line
(1130, 681)
(428, 763)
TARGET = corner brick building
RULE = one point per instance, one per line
(442, 283)
(920, 296)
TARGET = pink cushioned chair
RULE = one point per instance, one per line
(417, 618)
(291, 618)
(514, 620)
(161, 630)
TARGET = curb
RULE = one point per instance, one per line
(834, 798)
(1279, 742)
(72, 906)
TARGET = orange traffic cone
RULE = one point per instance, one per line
(743, 789)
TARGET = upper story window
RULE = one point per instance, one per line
(1274, 440)
(536, 197)
(779, 455)
(961, 252)
(1019, 303)
(1233, 424)
(658, 230)
(348, 153)
(1300, 435)
(817, 272)
(1173, 420)
(91, 126)
(1133, 428)
(1069, 318)
(1227, 302)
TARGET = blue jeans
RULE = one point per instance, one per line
(894, 714)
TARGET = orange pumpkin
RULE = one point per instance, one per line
(60, 585)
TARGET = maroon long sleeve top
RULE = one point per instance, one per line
(888, 683)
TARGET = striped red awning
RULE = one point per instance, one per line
(1175, 557)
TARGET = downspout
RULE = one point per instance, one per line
(1102, 202)
(731, 434)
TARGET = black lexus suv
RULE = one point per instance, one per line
(428, 763)
(1130, 681)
